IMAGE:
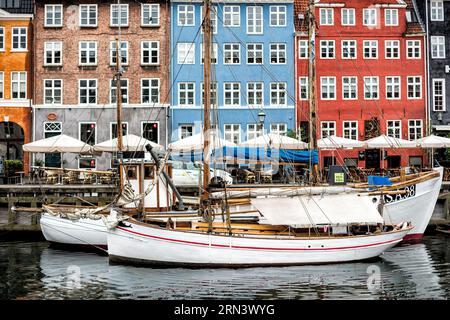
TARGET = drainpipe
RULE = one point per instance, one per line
(427, 73)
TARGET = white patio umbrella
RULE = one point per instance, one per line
(130, 142)
(385, 142)
(58, 144)
(335, 142)
(275, 141)
(433, 142)
(195, 143)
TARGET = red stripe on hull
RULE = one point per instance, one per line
(413, 237)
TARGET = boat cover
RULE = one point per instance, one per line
(310, 211)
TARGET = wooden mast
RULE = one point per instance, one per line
(207, 94)
(313, 177)
(119, 103)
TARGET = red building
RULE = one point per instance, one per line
(370, 77)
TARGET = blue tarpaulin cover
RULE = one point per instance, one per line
(379, 181)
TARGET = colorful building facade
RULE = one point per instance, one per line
(252, 68)
(370, 77)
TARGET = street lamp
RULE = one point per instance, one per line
(261, 118)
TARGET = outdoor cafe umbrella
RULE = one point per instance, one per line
(58, 144)
(335, 142)
(433, 142)
(195, 143)
(275, 141)
(385, 142)
(130, 142)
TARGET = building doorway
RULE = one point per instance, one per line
(372, 159)
(11, 141)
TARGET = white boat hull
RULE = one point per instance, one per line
(82, 232)
(143, 244)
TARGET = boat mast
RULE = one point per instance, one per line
(119, 99)
(207, 93)
(313, 177)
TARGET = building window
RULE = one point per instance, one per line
(213, 100)
(392, 49)
(113, 129)
(254, 131)
(88, 53)
(370, 49)
(439, 95)
(52, 91)
(277, 53)
(437, 10)
(213, 12)
(18, 85)
(347, 17)
(150, 52)
(123, 53)
(232, 133)
(350, 129)
(88, 132)
(2, 85)
(370, 17)
(254, 53)
(303, 88)
(186, 53)
(255, 93)
(19, 39)
(53, 15)
(349, 88)
(186, 130)
(277, 16)
(87, 91)
(254, 20)
(186, 93)
(371, 88)
(327, 49)
(150, 131)
(88, 15)
(278, 128)
(231, 53)
(231, 16)
(438, 47)
(348, 49)
(214, 53)
(119, 15)
(394, 129)
(391, 17)
(392, 87)
(414, 87)
(150, 15)
(124, 91)
(150, 90)
(278, 94)
(326, 16)
(413, 49)
(414, 129)
(2, 39)
(231, 93)
(303, 49)
(328, 88)
(53, 53)
(328, 128)
(186, 15)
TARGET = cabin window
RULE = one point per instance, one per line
(149, 172)
(131, 172)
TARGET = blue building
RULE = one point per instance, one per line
(252, 68)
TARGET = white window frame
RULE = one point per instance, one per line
(280, 94)
(150, 7)
(122, 88)
(303, 49)
(112, 51)
(394, 125)
(392, 15)
(329, 127)
(46, 11)
(115, 123)
(372, 14)
(214, 19)
(233, 91)
(254, 91)
(232, 15)
(2, 39)
(275, 128)
(214, 96)
(87, 56)
(330, 49)
(254, 130)
(416, 125)
(150, 88)
(19, 82)
(233, 132)
(185, 125)
(214, 53)
(352, 87)
(88, 88)
(52, 89)
(351, 16)
(150, 49)
(303, 84)
(252, 28)
(95, 128)
(393, 82)
(186, 92)
(119, 18)
(413, 45)
(20, 35)
(393, 45)
(279, 51)
(352, 44)
(368, 88)
(369, 44)
(143, 123)
(442, 95)
(2, 85)
(231, 51)
(351, 131)
(189, 9)
(437, 10)
(53, 50)
(189, 49)
(88, 24)
(325, 83)
(255, 52)
(439, 43)
(275, 11)
(325, 18)
(411, 81)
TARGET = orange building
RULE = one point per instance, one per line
(16, 18)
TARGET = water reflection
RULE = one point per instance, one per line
(417, 271)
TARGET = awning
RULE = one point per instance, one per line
(130, 142)
(310, 211)
(58, 144)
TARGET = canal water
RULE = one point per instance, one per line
(33, 270)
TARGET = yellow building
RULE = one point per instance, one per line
(16, 18)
